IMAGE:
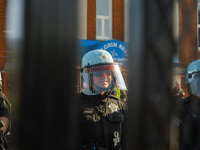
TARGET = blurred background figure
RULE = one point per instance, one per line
(187, 117)
(178, 92)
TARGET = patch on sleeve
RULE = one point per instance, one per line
(176, 120)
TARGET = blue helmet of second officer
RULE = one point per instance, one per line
(100, 74)
(192, 78)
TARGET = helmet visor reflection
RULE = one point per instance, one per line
(100, 71)
(103, 71)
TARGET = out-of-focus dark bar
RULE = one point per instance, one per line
(49, 108)
(150, 74)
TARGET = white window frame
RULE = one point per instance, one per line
(103, 18)
(198, 25)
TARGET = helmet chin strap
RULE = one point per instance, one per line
(101, 91)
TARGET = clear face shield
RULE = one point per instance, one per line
(101, 79)
(194, 83)
(192, 78)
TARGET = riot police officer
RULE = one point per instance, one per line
(187, 118)
(102, 113)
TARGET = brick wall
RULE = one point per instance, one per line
(91, 19)
(2, 46)
(118, 19)
(188, 48)
(2, 35)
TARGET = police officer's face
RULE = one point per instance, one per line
(177, 84)
(102, 78)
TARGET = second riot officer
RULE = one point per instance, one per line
(102, 113)
(187, 117)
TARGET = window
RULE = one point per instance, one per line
(104, 19)
(198, 11)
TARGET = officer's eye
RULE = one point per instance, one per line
(189, 75)
(98, 74)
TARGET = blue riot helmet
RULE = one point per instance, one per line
(100, 73)
(192, 78)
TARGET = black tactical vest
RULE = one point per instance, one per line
(101, 122)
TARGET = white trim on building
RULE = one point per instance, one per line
(82, 19)
(104, 19)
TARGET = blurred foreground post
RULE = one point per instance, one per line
(150, 73)
(49, 109)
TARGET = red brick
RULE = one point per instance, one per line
(91, 19)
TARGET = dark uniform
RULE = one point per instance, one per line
(4, 112)
(187, 119)
(102, 117)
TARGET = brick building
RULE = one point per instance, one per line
(3, 52)
(188, 49)
(185, 29)
(116, 25)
